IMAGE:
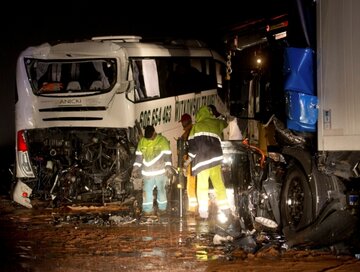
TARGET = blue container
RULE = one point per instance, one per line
(299, 70)
(302, 111)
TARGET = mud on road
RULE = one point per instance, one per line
(106, 238)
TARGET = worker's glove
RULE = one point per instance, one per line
(136, 173)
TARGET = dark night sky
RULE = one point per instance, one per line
(33, 23)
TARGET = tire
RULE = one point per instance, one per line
(296, 202)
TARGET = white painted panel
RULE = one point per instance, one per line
(338, 59)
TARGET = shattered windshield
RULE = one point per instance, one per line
(59, 76)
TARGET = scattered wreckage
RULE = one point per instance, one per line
(269, 191)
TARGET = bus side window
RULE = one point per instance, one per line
(146, 79)
(139, 93)
(151, 78)
(185, 77)
(190, 75)
(163, 66)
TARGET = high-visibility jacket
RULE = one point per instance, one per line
(205, 140)
(152, 156)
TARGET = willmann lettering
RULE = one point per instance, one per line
(191, 106)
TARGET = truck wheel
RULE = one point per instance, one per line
(296, 200)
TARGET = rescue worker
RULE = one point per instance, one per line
(186, 123)
(214, 111)
(206, 155)
(154, 160)
(234, 132)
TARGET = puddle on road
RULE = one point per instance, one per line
(185, 231)
(182, 233)
(113, 238)
(169, 235)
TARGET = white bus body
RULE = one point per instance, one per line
(81, 107)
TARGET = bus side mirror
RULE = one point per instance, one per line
(126, 86)
(129, 88)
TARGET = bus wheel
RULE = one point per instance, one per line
(296, 200)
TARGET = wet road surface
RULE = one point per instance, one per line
(104, 238)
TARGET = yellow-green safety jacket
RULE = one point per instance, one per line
(205, 140)
(152, 156)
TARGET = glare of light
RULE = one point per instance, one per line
(258, 60)
(222, 218)
(227, 160)
(280, 35)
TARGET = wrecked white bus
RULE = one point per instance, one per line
(81, 106)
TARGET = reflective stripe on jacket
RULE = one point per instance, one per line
(205, 140)
(153, 155)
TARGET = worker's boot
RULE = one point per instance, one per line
(227, 223)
